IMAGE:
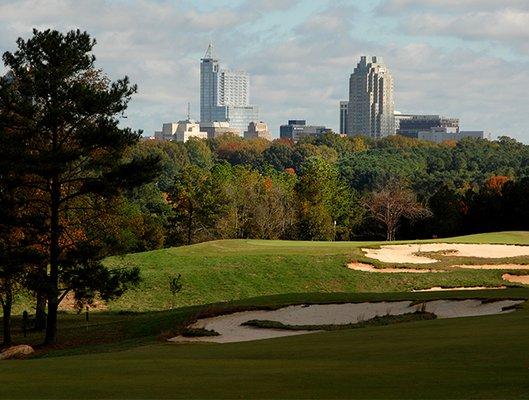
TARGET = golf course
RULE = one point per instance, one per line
(123, 351)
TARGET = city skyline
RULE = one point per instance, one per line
(300, 54)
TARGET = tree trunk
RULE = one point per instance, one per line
(190, 224)
(6, 308)
(51, 321)
(390, 232)
(40, 311)
(53, 291)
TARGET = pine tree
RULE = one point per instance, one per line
(62, 116)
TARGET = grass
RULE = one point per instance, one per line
(375, 321)
(115, 331)
(477, 357)
(236, 269)
(121, 354)
(198, 332)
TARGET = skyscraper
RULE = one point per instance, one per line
(371, 106)
(225, 94)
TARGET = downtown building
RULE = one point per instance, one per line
(258, 130)
(434, 128)
(225, 95)
(180, 131)
(297, 129)
(344, 111)
(411, 124)
(370, 110)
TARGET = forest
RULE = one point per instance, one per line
(328, 188)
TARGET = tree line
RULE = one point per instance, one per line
(331, 188)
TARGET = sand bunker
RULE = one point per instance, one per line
(444, 289)
(523, 279)
(230, 329)
(411, 253)
(369, 268)
(493, 266)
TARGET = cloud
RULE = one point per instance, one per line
(497, 22)
(450, 6)
(502, 25)
(478, 88)
(300, 54)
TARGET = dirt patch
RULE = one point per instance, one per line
(68, 304)
(443, 289)
(412, 253)
(369, 268)
(523, 279)
(230, 329)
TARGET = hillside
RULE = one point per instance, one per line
(234, 269)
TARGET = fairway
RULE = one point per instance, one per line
(477, 357)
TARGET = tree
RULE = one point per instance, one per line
(175, 286)
(326, 205)
(18, 257)
(258, 206)
(389, 204)
(196, 200)
(63, 116)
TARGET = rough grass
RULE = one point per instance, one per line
(199, 332)
(375, 321)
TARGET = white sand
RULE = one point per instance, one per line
(523, 279)
(444, 289)
(407, 253)
(230, 329)
(369, 268)
(493, 266)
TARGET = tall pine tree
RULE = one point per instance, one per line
(62, 116)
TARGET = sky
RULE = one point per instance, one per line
(467, 59)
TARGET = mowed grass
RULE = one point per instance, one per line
(236, 269)
(124, 355)
(475, 357)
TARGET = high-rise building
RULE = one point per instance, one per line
(344, 107)
(371, 106)
(225, 94)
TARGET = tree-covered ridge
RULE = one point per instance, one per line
(317, 189)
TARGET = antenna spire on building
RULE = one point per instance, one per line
(209, 51)
(188, 111)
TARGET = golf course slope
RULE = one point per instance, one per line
(236, 269)
(123, 351)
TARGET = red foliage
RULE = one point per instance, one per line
(495, 183)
